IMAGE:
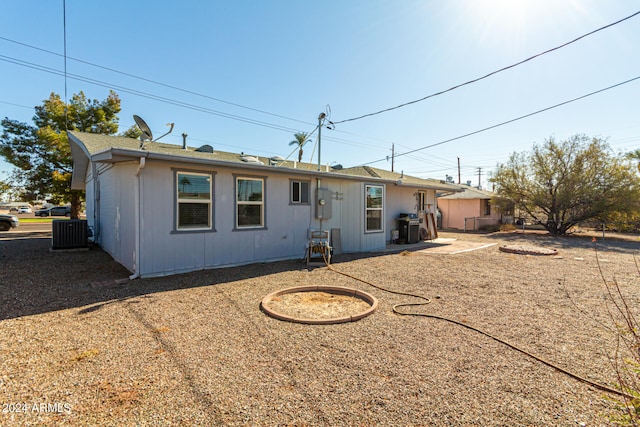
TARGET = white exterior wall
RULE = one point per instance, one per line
(90, 205)
(350, 217)
(115, 220)
(164, 251)
(405, 200)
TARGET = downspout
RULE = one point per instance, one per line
(318, 201)
(138, 216)
(96, 204)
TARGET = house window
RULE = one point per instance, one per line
(194, 202)
(249, 202)
(374, 203)
(422, 201)
(299, 192)
(487, 206)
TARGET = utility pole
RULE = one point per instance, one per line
(458, 170)
(479, 176)
(320, 119)
(393, 153)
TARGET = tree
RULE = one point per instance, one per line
(635, 155)
(561, 184)
(6, 191)
(41, 152)
(301, 139)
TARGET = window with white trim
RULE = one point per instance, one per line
(373, 207)
(249, 202)
(194, 201)
(422, 201)
(299, 192)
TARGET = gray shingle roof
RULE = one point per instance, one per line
(98, 144)
(470, 193)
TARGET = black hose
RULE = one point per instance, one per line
(427, 300)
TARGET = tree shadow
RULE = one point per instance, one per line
(37, 280)
(623, 244)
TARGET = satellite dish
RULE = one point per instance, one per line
(251, 159)
(274, 160)
(205, 149)
(146, 131)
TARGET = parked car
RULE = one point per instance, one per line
(24, 209)
(55, 211)
(8, 222)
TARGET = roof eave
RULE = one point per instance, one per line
(436, 187)
(80, 157)
(118, 155)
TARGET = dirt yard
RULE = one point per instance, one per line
(82, 345)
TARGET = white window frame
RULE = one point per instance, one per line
(208, 202)
(300, 183)
(422, 201)
(260, 203)
(367, 209)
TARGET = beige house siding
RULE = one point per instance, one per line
(466, 214)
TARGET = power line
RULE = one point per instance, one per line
(490, 74)
(190, 92)
(509, 121)
(16, 105)
(96, 82)
(144, 94)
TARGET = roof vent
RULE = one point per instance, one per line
(274, 160)
(205, 149)
(251, 159)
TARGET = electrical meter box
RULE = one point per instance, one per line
(323, 203)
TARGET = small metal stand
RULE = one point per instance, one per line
(318, 248)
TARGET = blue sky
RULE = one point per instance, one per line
(255, 72)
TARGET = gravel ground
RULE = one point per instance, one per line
(81, 345)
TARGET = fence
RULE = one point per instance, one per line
(479, 222)
(625, 227)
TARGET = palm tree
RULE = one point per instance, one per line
(301, 139)
(184, 181)
(635, 155)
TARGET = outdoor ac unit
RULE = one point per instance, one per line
(69, 234)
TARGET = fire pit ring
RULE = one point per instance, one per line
(527, 250)
(267, 304)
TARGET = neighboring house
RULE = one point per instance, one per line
(14, 206)
(470, 210)
(164, 209)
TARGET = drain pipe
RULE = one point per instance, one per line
(318, 201)
(96, 204)
(138, 208)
